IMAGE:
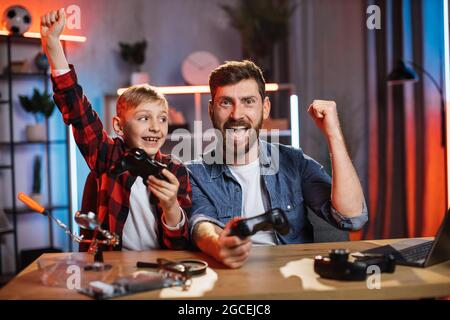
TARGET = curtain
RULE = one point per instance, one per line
(406, 162)
(393, 133)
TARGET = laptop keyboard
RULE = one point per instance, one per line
(418, 252)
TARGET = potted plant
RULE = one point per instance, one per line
(262, 24)
(36, 191)
(40, 105)
(134, 54)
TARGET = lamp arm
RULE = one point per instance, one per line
(439, 88)
(425, 72)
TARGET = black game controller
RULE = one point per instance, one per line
(274, 219)
(138, 163)
(337, 266)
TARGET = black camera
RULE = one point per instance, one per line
(138, 163)
(274, 219)
(337, 266)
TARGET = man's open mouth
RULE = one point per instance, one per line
(237, 131)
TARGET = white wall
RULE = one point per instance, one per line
(327, 61)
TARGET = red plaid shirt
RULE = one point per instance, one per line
(101, 151)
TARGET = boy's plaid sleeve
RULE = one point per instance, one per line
(87, 127)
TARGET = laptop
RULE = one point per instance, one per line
(419, 252)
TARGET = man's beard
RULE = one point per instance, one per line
(233, 149)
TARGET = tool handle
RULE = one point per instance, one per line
(31, 203)
(141, 264)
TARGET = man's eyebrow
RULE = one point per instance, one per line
(247, 97)
(224, 97)
(240, 98)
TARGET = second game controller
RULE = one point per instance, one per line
(274, 219)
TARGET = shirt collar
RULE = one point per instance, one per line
(217, 169)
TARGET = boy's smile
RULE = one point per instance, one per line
(146, 126)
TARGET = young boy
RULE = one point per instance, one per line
(123, 202)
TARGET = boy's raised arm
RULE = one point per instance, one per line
(52, 25)
(87, 128)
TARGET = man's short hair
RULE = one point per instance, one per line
(137, 94)
(233, 72)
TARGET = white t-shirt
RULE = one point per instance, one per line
(255, 199)
(140, 232)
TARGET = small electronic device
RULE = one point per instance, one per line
(274, 219)
(168, 274)
(135, 283)
(338, 267)
(139, 164)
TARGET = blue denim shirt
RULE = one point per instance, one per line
(293, 181)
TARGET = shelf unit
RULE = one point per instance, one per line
(12, 145)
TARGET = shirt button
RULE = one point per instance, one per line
(288, 207)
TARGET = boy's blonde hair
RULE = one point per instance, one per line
(137, 94)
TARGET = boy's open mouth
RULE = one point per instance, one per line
(151, 139)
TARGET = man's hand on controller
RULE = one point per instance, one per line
(232, 250)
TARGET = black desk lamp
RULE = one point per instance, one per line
(402, 74)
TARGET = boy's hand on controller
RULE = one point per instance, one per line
(166, 192)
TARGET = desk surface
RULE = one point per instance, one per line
(279, 272)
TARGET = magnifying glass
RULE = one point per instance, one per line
(193, 267)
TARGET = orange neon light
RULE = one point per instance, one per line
(270, 87)
(37, 35)
(447, 93)
(447, 147)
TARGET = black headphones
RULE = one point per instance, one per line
(337, 266)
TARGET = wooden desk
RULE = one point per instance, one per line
(282, 272)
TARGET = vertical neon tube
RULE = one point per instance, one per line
(447, 92)
(295, 127)
(73, 180)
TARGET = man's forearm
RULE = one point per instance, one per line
(346, 192)
(55, 53)
(206, 236)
